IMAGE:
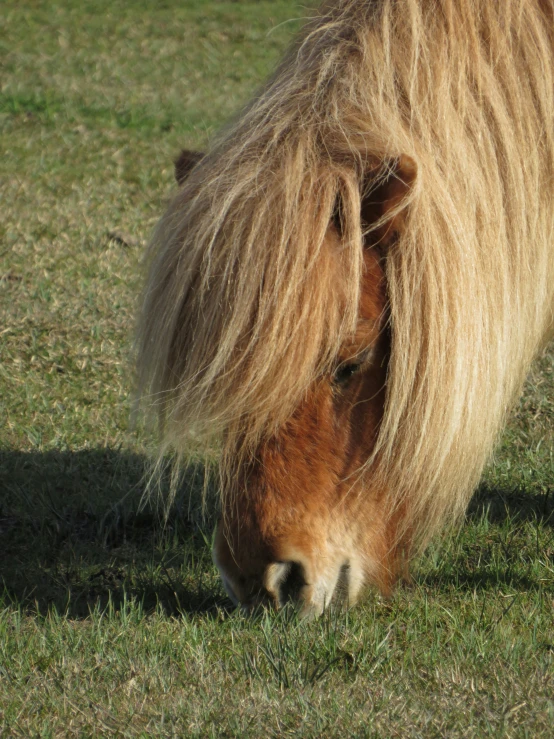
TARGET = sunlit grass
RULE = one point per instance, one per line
(112, 619)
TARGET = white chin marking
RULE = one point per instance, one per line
(225, 580)
(355, 580)
(229, 589)
(342, 586)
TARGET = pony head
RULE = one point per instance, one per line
(302, 522)
(348, 289)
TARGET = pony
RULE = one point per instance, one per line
(347, 291)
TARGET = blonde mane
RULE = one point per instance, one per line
(243, 307)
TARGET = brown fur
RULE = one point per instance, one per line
(422, 132)
(302, 485)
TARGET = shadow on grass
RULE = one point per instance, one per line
(506, 552)
(478, 580)
(516, 505)
(75, 534)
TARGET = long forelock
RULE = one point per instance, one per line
(255, 304)
(245, 305)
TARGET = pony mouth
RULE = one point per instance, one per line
(296, 582)
(286, 583)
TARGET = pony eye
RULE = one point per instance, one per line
(344, 373)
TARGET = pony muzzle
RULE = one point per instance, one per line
(308, 585)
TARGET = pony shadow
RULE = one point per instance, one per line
(478, 580)
(512, 504)
(77, 534)
(493, 561)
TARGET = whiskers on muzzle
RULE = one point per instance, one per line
(286, 584)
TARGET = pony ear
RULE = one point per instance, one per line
(185, 162)
(382, 213)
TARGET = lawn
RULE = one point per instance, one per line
(112, 618)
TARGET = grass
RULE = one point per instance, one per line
(112, 620)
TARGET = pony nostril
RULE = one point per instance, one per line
(284, 581)
(343, 584)
(293, 583)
